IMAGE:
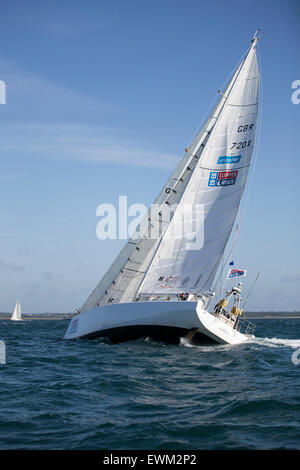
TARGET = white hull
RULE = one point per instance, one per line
(158, 320)
(219, 329)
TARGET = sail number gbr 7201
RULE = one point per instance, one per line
(241, 145)
(244, 143)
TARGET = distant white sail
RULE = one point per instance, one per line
(17, 313)
(217, 185)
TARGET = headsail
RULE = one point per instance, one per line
(217, 185)
(148, 257)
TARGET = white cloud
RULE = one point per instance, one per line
(79, 142)
(30, 96)
(47, 120)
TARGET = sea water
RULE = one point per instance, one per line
(57, 394)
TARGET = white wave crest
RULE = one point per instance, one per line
(186, 342)
(277, 342)
(209, 348)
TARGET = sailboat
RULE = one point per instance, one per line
(17, 313)
(161, 287)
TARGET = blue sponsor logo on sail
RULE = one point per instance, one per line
(229, 159)
(213, 177)
(227, 182)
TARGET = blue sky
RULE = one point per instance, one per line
(102, 99)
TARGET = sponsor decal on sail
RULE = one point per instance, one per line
(229, 159)
(222, 178)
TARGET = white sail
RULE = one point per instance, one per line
(131, 268)
(17, 313)
(216, 186)
(122, 280)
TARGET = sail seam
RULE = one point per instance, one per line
(242, 105)
(218, 168)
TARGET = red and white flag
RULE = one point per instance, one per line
(236, 273)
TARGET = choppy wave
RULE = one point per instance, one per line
(278, 342)
(270, 342)
(185, 342)
(148, 395)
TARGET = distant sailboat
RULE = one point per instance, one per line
(17, 313)
(160, 287)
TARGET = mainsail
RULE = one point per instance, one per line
(212, 174)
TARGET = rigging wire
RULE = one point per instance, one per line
(243, 306)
